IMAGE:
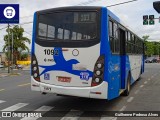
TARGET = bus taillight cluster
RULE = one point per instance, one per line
(98, 72)
(35, 69)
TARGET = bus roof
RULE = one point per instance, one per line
(111, 14)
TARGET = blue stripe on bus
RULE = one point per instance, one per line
(34, 33)
(33, 37)
(123, 71)
(104, 46)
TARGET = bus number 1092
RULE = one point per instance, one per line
(50, 52)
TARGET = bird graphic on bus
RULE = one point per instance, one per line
(63, 65)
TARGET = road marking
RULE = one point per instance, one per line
(123, 108)
(145, 82)
(42, 109)
(142, 86)
(2, 90)
(75, 113)
(130, 99)
(2, 101)
(108, 118)
(136, 91)
(15, 107)
(21, 85)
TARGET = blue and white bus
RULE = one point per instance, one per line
(84, 52)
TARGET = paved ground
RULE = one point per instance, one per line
(15, 95)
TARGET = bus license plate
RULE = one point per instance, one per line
(64, 79)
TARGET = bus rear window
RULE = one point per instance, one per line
(67, 26)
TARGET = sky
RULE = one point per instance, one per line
(131, 14)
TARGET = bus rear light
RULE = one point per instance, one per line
(35, 75)
(98, 72)
(99, 65)
(34, 62)
(35, 70)
(97, 80)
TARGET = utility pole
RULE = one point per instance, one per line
(8, 51)
(12, 50)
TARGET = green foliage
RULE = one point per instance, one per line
(19, 41)
(152, 48)
(24, 56)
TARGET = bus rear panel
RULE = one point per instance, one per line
(66, 58)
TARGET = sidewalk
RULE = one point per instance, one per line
(4, 74)
(26, 67)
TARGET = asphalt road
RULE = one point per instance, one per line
(15, 95)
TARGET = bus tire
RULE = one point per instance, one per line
(126, 92)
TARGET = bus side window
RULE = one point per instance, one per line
(116, 38)
(133, 44)
(111, 36)
(126, 41)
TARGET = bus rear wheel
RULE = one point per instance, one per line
(126, 92)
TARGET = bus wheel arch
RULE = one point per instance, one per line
(128, 85)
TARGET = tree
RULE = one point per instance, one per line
(24, 56)
(145, 38)
(19, 41)
(152, 48)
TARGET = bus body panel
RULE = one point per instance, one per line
(116, 67)
(65, 64)
(135, 66)
(99, 92)
(114, 72)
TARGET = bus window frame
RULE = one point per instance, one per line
(114, 52)
(70, 43)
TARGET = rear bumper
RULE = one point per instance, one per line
(98, 92)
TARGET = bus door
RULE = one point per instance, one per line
(122, 54)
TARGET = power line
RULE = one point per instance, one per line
(18, 24)
(28, 33)
(25, 23)
(121, 3)
(88, 2)
(26, 16)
